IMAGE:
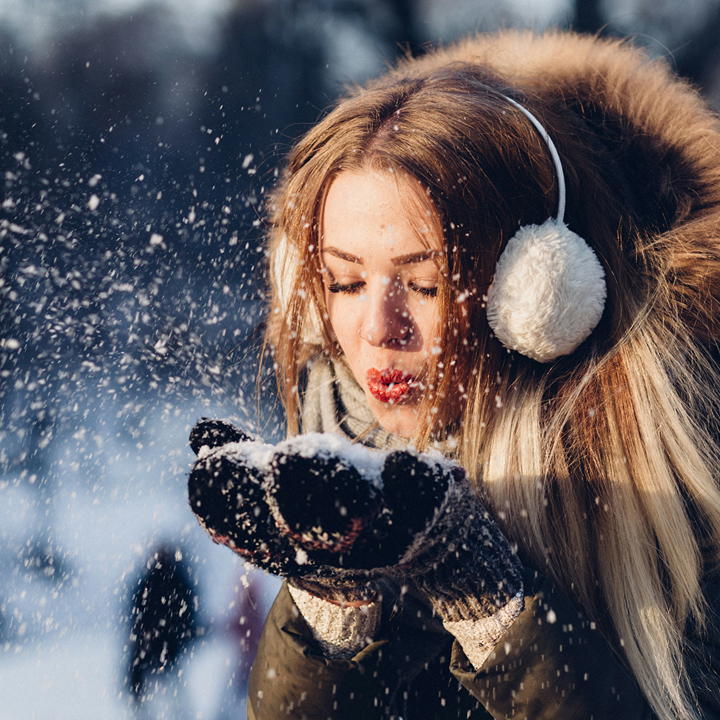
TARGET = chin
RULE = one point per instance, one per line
(398, 420)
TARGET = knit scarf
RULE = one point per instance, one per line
(334, 402)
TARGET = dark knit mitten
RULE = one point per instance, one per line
(227, 491)
(428, 527)
(214, 433)
(333, 517)
(460, 558)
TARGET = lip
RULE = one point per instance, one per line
(389, 385)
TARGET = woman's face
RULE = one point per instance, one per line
(379, 256)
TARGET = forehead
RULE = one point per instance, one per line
(376, 211)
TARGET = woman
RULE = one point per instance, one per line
(506, 251)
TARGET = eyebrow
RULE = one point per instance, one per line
(343, 255)
(410, 259)
(414, 258)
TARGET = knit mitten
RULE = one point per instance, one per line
(333, 516)
(227, 491)
(214, 433)
(226, 494)
(428, 526)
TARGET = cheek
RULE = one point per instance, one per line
(345, 316)
(427, 320)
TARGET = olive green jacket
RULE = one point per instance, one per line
(551, 663)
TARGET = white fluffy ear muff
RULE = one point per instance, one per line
(549, 291)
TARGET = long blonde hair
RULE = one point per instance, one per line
(601, 466)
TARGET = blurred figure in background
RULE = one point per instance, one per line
(163, 624)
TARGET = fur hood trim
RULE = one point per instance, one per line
(662, 134)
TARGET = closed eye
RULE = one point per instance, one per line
(426, 291)
(350, 289)
(356, 287)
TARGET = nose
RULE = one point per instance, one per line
(387, 321)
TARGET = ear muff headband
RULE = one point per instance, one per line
(549, 291)
(542, 132)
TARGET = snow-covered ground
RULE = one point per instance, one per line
(72, 545)
(78, 676)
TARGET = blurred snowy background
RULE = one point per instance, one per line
(137, 142)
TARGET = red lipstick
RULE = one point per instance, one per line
(388, 386)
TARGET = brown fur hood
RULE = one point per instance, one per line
(657, 136)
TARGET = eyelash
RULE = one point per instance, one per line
(350, 289)
(426, 291)
(353, 288)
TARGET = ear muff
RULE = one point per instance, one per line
(549, 291)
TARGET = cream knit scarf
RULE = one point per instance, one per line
(333, 402)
